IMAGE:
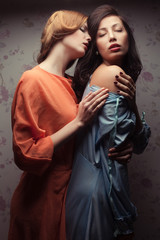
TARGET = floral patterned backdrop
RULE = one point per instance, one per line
(19, 44)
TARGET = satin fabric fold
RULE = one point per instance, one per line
(98, 204)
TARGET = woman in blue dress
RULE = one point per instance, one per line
(98, 205)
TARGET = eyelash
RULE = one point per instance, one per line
(101, 35)
(82, 29)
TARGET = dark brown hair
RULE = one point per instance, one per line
(87, 64)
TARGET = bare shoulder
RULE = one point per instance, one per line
(104, 76)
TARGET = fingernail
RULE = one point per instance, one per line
(116, 76)
(115, 83)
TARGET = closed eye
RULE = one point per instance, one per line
(118, 30)
(101, 34)
(83, 29)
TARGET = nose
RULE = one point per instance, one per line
(111, 36)
(88, 37)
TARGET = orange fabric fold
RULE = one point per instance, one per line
(43, 103)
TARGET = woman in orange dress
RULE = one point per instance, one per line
(45, 119)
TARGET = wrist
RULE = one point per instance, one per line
(78, 123)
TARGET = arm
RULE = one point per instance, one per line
(127, 89)
(142, 134)
(137, 145)
(88, 107)
(34, 141)
(104, 76)
(32, 146)
(142, 131)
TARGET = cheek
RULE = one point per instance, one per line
(97, 44)
(74, 37)
(78, 35)
(100, 45)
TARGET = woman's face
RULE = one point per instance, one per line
(112, 40)
(77, 42)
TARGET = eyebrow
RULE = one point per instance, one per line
(104, 28)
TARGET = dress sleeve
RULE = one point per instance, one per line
(141, 139)
(32, 147)
(116, 122)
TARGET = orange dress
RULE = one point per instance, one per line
(43, 103)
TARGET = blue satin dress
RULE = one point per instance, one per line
(98, 205)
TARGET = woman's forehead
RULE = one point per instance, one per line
(110, 21)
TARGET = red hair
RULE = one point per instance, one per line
(60, 24)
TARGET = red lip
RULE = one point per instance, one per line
(86, 45)
(115, 45)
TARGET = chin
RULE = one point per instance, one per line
(117, 56)
(81, 54)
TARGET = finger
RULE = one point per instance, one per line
(96, 108)
(97, 105)
(126, 95)
(96, 94)
(125, 81)
(124, 160)
(95, 101)
(100, 96)
(112, 150)
(126, 85)
(126, 92)
(124, 75)
(120, 154)
(127, 146)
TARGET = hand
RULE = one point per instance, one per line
(122, 154)
(126, 85)
(90, 105)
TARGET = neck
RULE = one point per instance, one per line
(118, 62)
(57, 61)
